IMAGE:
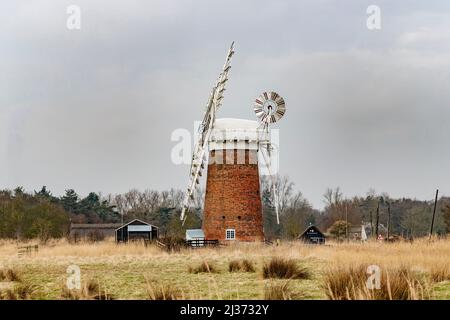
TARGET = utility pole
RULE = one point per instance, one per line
(371, 222)
(434, 213)
(377, 220)
(389, 220)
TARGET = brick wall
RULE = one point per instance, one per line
(233, 199)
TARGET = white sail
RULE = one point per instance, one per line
(363, 233)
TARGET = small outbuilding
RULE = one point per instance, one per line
(195, 234)
(136, 230)
(195, 237)
(312, 235)
(92, 231)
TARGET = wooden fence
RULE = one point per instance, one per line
(201, 243)
(27, 250)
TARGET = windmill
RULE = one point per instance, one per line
(233, 206)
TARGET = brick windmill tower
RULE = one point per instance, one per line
(233, 206)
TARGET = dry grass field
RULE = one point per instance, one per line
(418, 270)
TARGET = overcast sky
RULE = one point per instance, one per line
(93, 109)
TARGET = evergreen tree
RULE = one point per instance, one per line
(46, 194)
(89, 204)
(70, 201)
(339, 229)
(19, 191)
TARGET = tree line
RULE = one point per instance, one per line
(408, 218)
(40, 214)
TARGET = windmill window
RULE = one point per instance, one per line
(230, 234)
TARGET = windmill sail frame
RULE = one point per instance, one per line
(199, 155)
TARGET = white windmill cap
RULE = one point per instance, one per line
(232, 133)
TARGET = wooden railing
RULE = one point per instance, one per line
(201, 243)
(27, 250)
(160, 244)
(196, 243)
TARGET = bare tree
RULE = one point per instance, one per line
(132, 199)
(283, 189)
(151, 200)
(120, 202)
(296, 216)
(199, 198)
(298, 201)
(332, 197)
(176, 198)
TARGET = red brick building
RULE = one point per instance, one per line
(233, 208)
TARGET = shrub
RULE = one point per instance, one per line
(234, 266)
(280, 291)
(9, 275)
(284, 269)
(173, 244)
(241, 265)
(247, 266)
(202, 267)
(157, 291)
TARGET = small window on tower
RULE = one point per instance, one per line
(230, 234)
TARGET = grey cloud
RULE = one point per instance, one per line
(94, 109)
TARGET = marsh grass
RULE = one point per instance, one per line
(234, 266)
(122, 267)
(247, 266)
(8, 274)
(284, 269)
(243, 265)
(90, 290)
(440, 272)
(163, 291)
(350, 283)
(19, 291)
(280, 290)
(203, 267)
(14, 288)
